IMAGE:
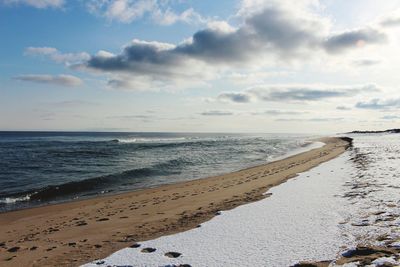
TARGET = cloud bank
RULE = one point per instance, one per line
(295, 93)
(377, 103)
(272, 33)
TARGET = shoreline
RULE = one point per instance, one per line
(312, 145)
(94, 228)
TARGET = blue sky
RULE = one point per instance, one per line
(198, 66)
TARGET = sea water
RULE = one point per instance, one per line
(38, 168)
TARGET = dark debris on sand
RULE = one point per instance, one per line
(312, 264)
(362, 255)
(365, 255)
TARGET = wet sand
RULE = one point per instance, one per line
(77, 232)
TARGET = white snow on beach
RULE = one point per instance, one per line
(321, 213)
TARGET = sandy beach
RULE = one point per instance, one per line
(77, 232)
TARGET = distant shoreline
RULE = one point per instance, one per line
(81, 231)
(375, 132)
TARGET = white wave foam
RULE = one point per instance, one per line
(151, 140)
(12, 200)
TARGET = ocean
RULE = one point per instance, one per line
(38, 168)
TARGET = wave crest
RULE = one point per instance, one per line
(96, 184)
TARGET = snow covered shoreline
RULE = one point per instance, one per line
(320, 214)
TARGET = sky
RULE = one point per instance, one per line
(256, 66)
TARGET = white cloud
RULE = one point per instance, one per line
(220, 26)
(273, 32)
(127, 11)
(57, 56)
(254, 76)
(264, 34)
(217, 113)
(391, 20)
(37, 3)
(62, 80)
(278, 112)
(315, 119)
(366, 62)
(343, 108)
(169, 17)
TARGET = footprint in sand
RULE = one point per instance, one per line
(148, 250)
(13, 249)
(10, 258)
(172, 254)
(102, 219)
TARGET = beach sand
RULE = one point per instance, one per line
(77, 232)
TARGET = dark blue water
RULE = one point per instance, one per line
(38, 168)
